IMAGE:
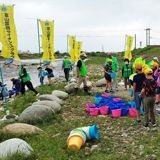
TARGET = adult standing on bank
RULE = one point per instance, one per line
(50, 75)
(81, 74)
(25, 80)
(115, 68)
(66, 65)
(140, 59)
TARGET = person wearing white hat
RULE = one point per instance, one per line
(155, 59)
(81, 74)
(66, 66)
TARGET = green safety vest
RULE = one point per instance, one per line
(127, 71)
(26, 78)
(67, 63)
(149, 64)
(139, 60)
(82, 69)
(114, 68)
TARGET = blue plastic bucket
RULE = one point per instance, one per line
(113, 75)
(97, 100)
(131, 92)
(93, 132)
(113, 108)
(141, 110)
(124, 111)
(132, 104)
(45, 74)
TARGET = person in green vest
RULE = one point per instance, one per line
(155, 59)
(140, 59)
(126, 72)
(66, 66)
(115, 68)
(81, 74)
(25, 80)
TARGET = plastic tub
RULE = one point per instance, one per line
(124, 111)
(89, 105)
(105, 95)
(116, 113)
(113, 108)
(116, 99)
(93, 111)
(132, 104)
(132, 112)
(113, 75)
(104, 110)
(91, 132)
(141, 110)
(97, 99)
(131, 92)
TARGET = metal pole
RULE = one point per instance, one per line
(7, 111)
(40, 56)
(135, 41)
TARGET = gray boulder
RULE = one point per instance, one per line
(60, 94)
(14, 146)
(35, 114)
(54, 105)
(49, 97)
(69, 87)
(101, 82)
(21, 128)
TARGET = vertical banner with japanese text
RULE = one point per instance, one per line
(8, 33)
(47, 40)
(78, 47)
(128, 53)
(72, 43)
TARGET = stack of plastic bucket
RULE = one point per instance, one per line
(91, 132)
(76, 139)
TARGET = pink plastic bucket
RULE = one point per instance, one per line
(105, 95)
(104, 110)
(93, 111)
(116, 112)
(116, 99)
(89, 105)
(132, 112)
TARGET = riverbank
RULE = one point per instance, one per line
(119, 138)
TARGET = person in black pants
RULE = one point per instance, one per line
(26, 81)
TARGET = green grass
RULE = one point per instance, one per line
(52, 145)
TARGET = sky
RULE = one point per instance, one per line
(100, 24)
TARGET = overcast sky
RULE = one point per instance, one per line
(95, 22)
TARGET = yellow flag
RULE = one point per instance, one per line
(8, 34)
(128, 53)
(78, 47)
(47, 40)
(72, 43)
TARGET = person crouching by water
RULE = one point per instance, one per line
(108, 71)
(66, 66)
(16, 84)
(40, 71)
(25, 77)
(81, 74)
(50, 75)
(2, 92)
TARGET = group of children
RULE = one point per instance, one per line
(146, 84)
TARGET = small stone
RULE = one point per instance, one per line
(141, 147)
(106, 138)
(87, 144)
(101, 116)
(133, 144)
(154, 157)
(124, 135)
(87, 153)
(78, 97)
(154, 129)
(93, 148)
(110, 128)
(141, 153)
(72, 109)
(87, 148)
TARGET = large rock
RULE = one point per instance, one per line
(60, 94)
(48, 97)
(35, 114)
(54, 105)
(89, 85)
(21, 128)
(69, 87)
(14, 146)
(101, 82)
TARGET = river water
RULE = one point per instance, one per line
(9, 72)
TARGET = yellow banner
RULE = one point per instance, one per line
(72, 43)
(128, 53)
(47, 40)
(8, 34)
(78, 47)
